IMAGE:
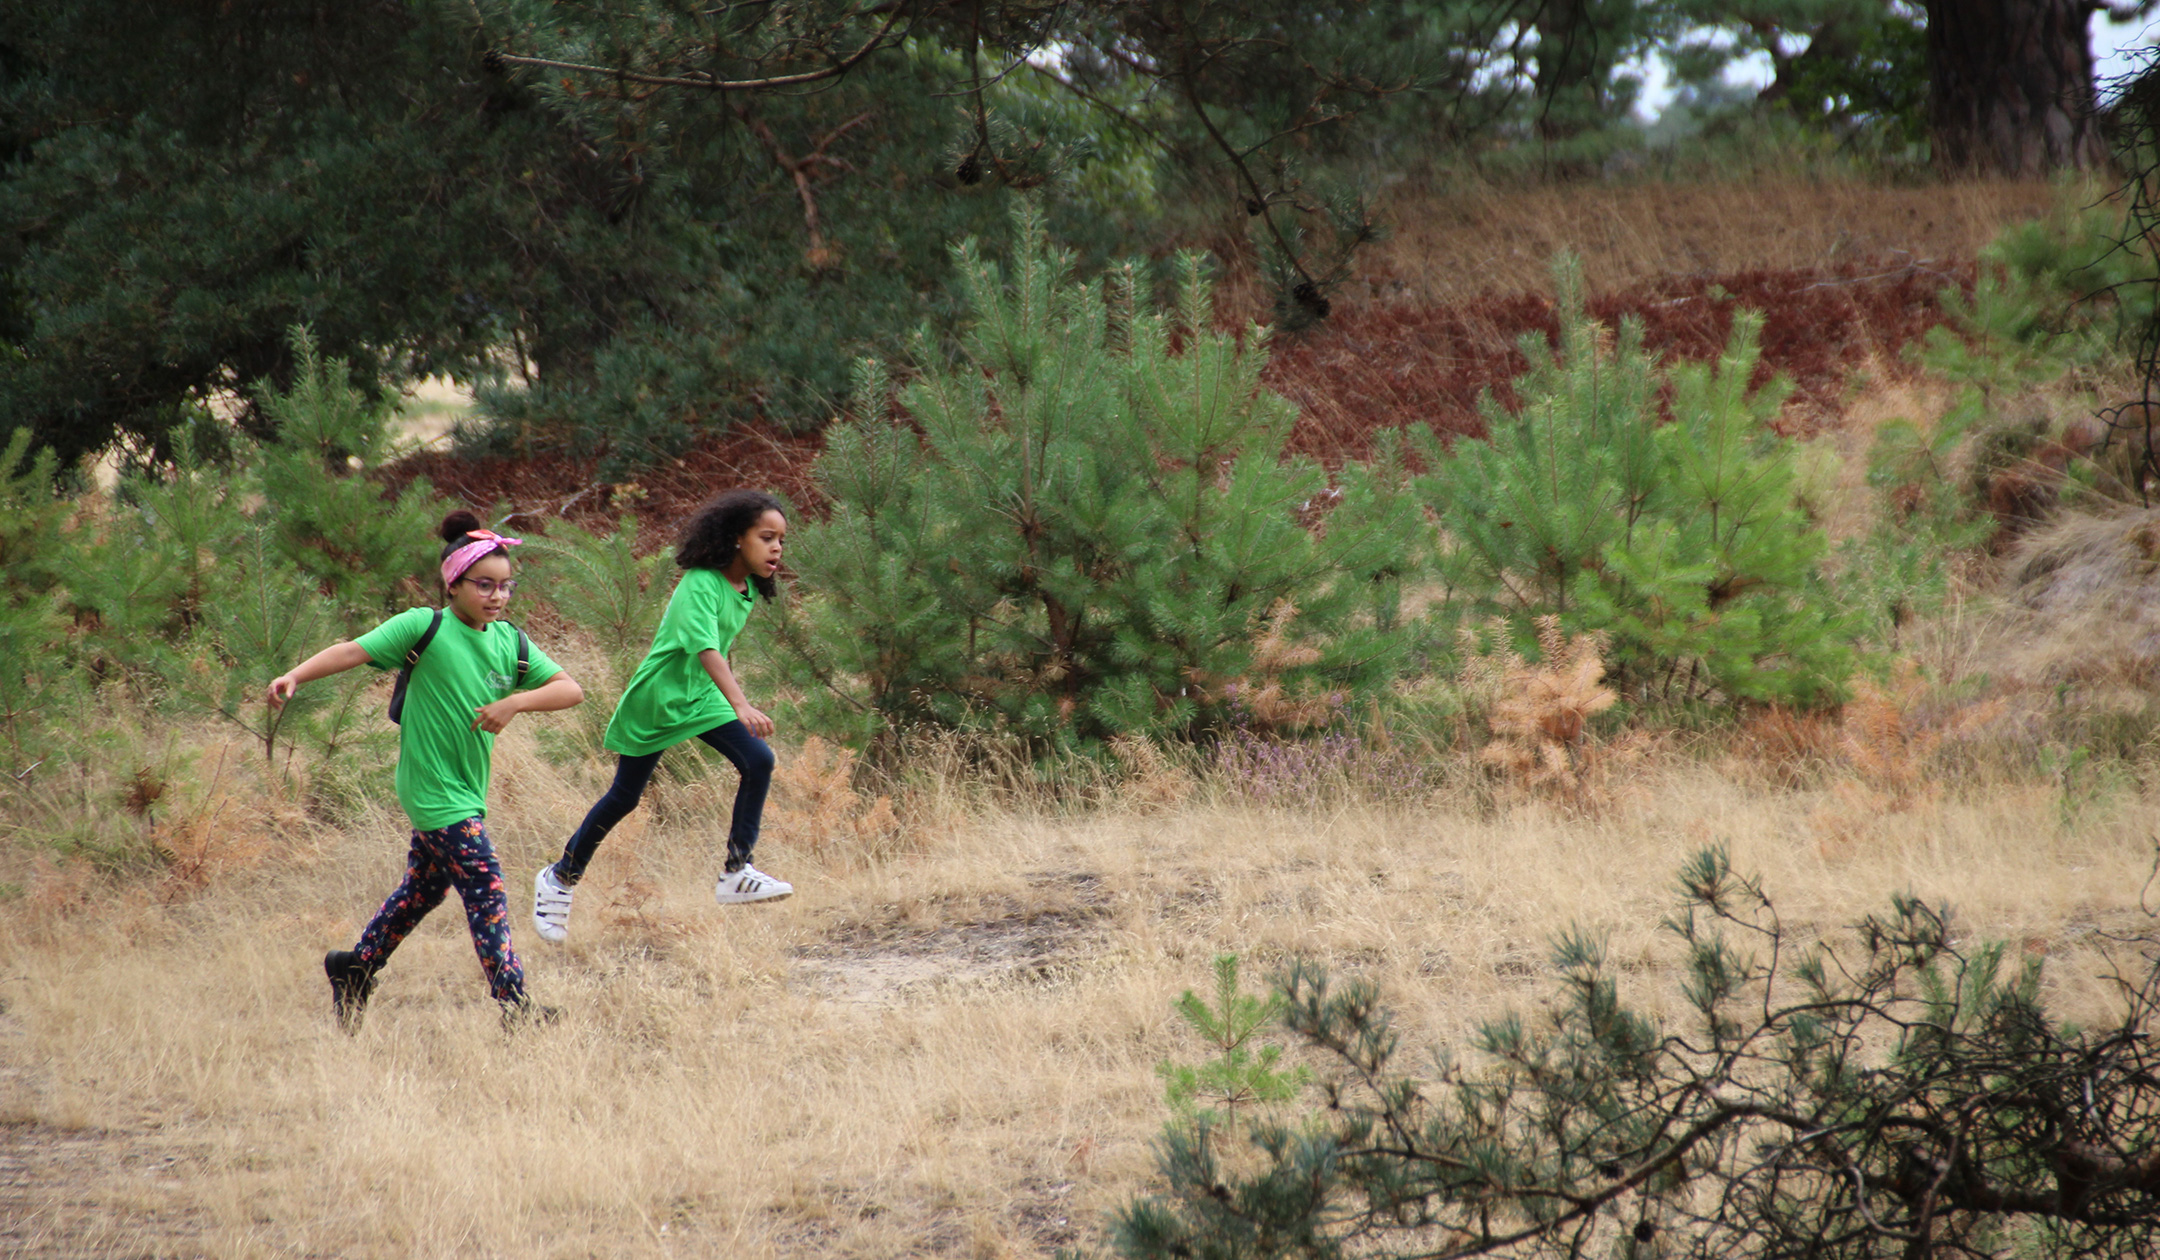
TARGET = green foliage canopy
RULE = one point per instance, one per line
(627, 262)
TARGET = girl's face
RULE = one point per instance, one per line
(758, 551)
(481, 595)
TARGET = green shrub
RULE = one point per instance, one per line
(1244, 1072)
(31, 515)
(2066, 285)
(1925, 517)
(600, 584)
(1093, 527)
(1683, 542)
(36, 681)
(33, 663)
(2049, 304)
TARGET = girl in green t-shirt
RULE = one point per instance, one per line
(473, 674)
(684, 690)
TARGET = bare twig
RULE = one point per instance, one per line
(801, 170)
(710, 82)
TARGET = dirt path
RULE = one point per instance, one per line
(85, 1193)
(78, 1194)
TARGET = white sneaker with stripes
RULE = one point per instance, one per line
(748, 883)
(551, 906)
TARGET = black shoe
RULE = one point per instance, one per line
(351, 981)
(526, 1013)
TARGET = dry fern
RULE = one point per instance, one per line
(817, 807)
(222, 827)
(1890, 746)
(1539, 714)
(1787, 747)
(1263, 703)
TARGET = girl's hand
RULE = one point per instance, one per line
(494, 717)
(335, 659)
(760, 725)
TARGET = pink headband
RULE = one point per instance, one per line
(483, 542)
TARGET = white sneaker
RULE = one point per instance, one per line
(551, 906)
(748, 883)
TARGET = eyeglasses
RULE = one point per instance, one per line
(489, 586)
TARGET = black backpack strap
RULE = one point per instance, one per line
(427, 636)
(524, 657)
(412, 658)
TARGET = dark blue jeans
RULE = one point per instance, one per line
(753, 759)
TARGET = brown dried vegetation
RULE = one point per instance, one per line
(1539, 714)
(1889, 735)
(1261, 698)
(817, 807)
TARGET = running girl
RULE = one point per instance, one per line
(462, 689)
(684, 689)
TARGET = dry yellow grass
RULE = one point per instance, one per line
(1455, 243)
(949, 1053)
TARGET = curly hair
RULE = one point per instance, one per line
(454, 529)
(711, 537)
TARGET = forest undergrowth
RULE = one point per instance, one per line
(946, 1043)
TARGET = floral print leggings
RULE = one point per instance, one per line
(458, 855)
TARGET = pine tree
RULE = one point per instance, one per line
(196, 576)
(33, 665)
(1091, 528)
(1682, 542)
(265, 614)
(1238, 1077)
(370, 551)
(181, 183)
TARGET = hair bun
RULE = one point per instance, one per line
(458, 524)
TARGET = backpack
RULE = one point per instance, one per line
(412, 658)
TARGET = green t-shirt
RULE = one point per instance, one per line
(442, 769)
(671, 698)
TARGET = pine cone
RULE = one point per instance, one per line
(970, 171)
(491, 61)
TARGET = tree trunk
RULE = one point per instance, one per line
(2010, 86)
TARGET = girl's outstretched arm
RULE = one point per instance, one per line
(724, 678)
(559, 692)
(335, 659)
